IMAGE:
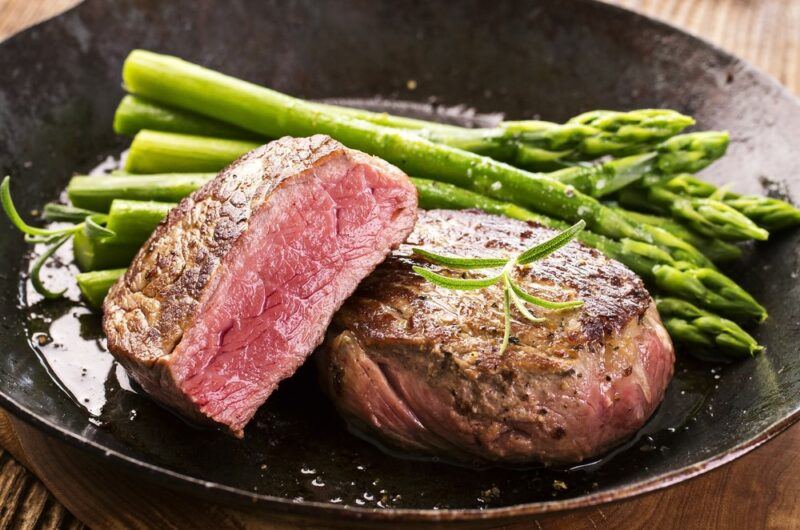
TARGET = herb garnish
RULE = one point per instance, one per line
(512, 293)
(91, 223)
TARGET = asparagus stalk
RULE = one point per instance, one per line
(132, 222)
(184, 148)
(533, 144)
(770, 214)
(95, 285)
(705, 331)
(592, 134)
(718, 251)
(134, 114)
(708, 216)
(691, 152)
(95, 254)
(190, 87)
(204, 153)
(97, 193)
(711, 289)
(684, 152)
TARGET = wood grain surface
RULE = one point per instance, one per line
(760, 490)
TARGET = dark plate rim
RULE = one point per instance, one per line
(313, 508)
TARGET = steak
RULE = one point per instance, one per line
(418, 366)
(236, 287)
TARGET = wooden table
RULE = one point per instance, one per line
(761, 490)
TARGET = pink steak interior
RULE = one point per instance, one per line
(305, 251)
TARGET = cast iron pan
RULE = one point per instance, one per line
(59, 86)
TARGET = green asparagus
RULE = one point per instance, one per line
(206, 154)
(134, 114)
(718, 251)
(95, 254)
(691, 152)
(258, 109)
(770, 214)
(707, 216)
(679, 153)
(95, 285)
(696, 328)
(184, 147)
(97, 193)
(710, 289)
(132, 223)
(533, 144)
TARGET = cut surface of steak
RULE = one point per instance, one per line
(418, 366)
(236, 286)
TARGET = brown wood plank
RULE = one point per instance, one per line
(764, 32)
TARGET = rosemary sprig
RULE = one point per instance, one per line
(512, 293)
(91, 223)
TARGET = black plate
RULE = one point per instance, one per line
(60, 85)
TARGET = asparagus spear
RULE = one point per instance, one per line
(770, 214)
(162, 160)
(708, 216)
(95, 285)
(94, 193)
(718, 251)
(705, 331)
(134, 114)
(132, 222)
(592, 134)
(691, 152)
(531, 143)
(205, 154)
(194, 88)
(684, 152)
(95, 254)
(709, 288)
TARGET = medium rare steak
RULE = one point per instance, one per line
(418, 366)
(236, 286)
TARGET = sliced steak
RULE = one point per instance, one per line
(418, 366)
(236, 287)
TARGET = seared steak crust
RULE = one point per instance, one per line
(162, 295)
(565, 389)
(149, 309)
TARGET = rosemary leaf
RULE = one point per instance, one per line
(61, 212)
(16, 219)
(36, 270)
(455, 262)
(541, 302)
(506, 321)
(518, 302)
(93, 228)
(551, 245)
(461, 284)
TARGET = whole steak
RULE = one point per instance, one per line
(419, 366)
(235, 288)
